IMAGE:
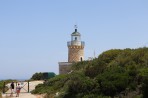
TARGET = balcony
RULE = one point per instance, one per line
(76, 43)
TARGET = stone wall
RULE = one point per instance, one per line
(75, 53)
(64, 67)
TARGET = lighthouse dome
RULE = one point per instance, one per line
(75, 33)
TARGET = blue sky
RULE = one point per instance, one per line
(34, 33)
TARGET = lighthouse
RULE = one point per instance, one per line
(75, 47)
(75, 52)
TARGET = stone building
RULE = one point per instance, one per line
(75, 52)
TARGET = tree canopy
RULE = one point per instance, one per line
(116, 72)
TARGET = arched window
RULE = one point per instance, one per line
(81, 59)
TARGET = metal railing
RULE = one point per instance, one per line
(77, 43)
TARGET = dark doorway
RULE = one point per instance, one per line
(81, 59)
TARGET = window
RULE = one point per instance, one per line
(81, 59)
(75, 38)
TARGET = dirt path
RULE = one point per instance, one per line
(23, 93)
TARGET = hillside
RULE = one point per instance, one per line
(115, 73)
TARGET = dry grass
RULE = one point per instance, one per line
(40, 96)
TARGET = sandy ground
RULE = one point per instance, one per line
(23, 93)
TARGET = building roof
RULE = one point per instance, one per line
(75, 33)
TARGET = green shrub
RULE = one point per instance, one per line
(108, 75)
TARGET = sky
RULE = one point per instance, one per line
(34, 33)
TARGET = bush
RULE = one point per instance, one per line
(37, 76)
(108, 75)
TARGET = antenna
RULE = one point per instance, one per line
(94, 54)
(75, 26)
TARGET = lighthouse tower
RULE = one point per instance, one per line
(75, 47)
(75, 52)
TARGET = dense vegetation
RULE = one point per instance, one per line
(37, 76)
(115, 73)
(42, 76)
(2, 85)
